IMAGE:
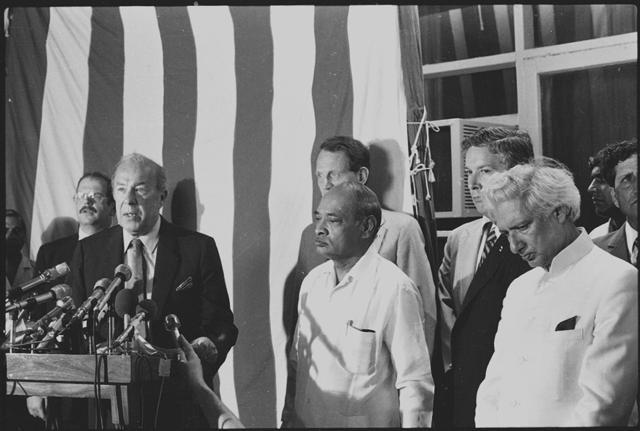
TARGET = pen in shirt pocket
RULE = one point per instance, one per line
(350, 323)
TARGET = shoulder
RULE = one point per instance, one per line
(608, 238)
(398, 218)
(599, 231)
(389, 274)
(604, 263)
(61, 242)
(465, 229)
(98, 239)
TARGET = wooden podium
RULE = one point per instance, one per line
(73, 376)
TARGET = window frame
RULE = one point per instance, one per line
(532, 63)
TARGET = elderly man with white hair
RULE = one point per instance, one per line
(566, 350)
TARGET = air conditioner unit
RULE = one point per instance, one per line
(450, 192)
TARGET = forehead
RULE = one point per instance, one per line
(134, 173)
(509, 213)
(332, 160)
(91, 183)
(627, 166)
(11, 221)
(481, 156)
(595, 171)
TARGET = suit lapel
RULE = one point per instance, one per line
(466, 259)
(617, 245)
(167, 262)
(486, 270)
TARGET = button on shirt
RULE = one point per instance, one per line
(359, 353)
(150, 251)
(583, 375)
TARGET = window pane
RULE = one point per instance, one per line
(554, 24)
(584, 111)
(459, 32)
(473, 95)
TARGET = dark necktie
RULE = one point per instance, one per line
(488, 244)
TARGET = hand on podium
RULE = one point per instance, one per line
(36, 408)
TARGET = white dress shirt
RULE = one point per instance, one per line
(631, 235)
(150, 251)
(586, 376)
(359, 356)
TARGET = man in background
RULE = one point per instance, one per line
(399, 238)
(566, 349)
(602, 198)
(475, 273)
(620, 169)
(359, 356)
(18, 266)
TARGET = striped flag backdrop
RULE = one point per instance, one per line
(233, 102)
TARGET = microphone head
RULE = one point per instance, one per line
(65, 303)
(59, 270)
(171, 322)
(102, 284)
(126, 302)
(123, 271)
(150, 307)
(61, 290)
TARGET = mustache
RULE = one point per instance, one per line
(88, 207)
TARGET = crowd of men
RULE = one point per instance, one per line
(529, 322)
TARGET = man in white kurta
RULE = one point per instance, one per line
(359, 356)
(566, 350)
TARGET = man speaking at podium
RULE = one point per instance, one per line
(178, 269)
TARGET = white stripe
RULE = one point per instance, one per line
(290, 196)
(64, 108)
(143, 104)
(379, 104)
(213, 146)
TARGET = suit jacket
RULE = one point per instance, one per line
(399, 240)
(203, 308)
(615, 243)
(476, 318)
(55, 252)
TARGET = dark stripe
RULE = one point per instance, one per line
(180, 107)
(254, 368)
(26, 69)
(332, 83)
(102, 147)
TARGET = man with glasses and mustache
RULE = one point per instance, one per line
(95, 208)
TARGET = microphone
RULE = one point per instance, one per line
(125, 304)
(122, 274)
(56, 292)
(172, 324)
(39, 327)
(88, 304)
(47, 275)
(146, 310)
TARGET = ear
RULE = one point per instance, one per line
(561, 213)
(612, 190)
(362, 175)
(163, 195)
(367, 226)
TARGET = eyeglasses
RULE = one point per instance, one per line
(94, 196)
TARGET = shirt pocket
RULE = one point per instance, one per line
(359, 350)
(565, 356)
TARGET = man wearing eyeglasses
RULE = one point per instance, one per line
(95, 208)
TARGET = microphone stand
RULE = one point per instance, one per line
(12, 329)
(89, 329)
(111, 316)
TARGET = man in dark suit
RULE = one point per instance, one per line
(95, 209)
(475, 273)
(620, 169)
(182, 272)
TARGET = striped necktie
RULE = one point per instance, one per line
(634, 252)
(136, 261)
(489, 242)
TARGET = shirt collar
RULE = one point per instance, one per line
(82, 234)
(150, 240)
(486, 220)
(631, 235)
(361, 267)
(572, 253)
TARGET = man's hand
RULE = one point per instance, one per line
(35, 405)
(192, 364)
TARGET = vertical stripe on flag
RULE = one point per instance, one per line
(213, 147)
(103, 126)
(180, 105)
(253, 359)
(379, 104)
(291, 183)
(24, 85)
(143, 83)
(63, 116)
(460, 48)
(332, 92)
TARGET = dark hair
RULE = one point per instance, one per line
(100, 177)
(613, 154)
(15, 214)
(355, 151)
(365, 202)
(513, 145)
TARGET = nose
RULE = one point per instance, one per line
(592, 186)
(321, 227)
(515, 245)
(472, 181)
(130, 196)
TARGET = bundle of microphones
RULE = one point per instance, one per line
(107, 295)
